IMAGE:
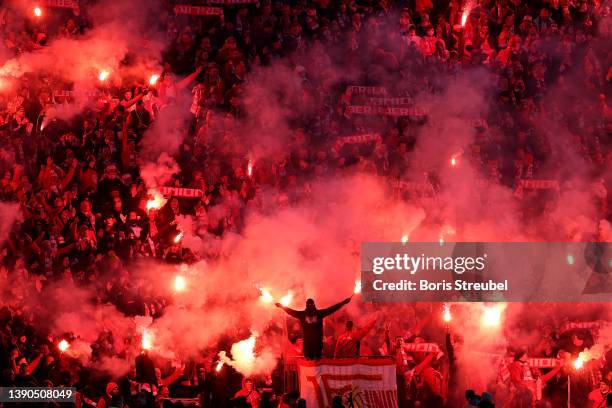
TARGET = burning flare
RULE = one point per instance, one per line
(156, 202)
(147, 340)
(178, 237)
(219, 366)
(446, 315)
(491, 315)
(357, 289)
(250, 168)
(453, 161)
(63, 345)
(180, 283)
(583, 357)
(37, 11)
(578, 363)
(103, 75)
(404, 238)
(464, 17)
(153, 79)
(286, 300)
(265, 297)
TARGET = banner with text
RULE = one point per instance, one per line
(198, 10)
(360, 382)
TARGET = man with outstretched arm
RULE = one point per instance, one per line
(311, 320)
(348, 343)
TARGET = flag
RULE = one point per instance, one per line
(366, 382)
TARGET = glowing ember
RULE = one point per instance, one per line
(446, 316)
(491, 316)
(63, 346)
(103, 75)
(453, 161)
(286, 300)
(219, 366)
(147, 340)
(250, 168)
(153, 79)
(464, 17)
(37, 11)
(180, 283)
(266, 297)
(178, 237)
(357, 289)
(404, 238)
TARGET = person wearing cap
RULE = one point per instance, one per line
(249, 393)
(112, 398)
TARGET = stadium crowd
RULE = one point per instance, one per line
(84, 204)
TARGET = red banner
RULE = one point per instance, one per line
(415, 187)
(62, 93)
(540, 184)
(367, 382)
(232, 2)
(366, 90)
(357, 139)
(71, 4)
(529, 184)
(596, 325)
(384, 110)
(390, 101)
(198, 10)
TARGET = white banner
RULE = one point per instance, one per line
(368, 383)
(181, 192)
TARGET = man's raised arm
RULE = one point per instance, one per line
(293, 313)
(334, 308)
(361, 333)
